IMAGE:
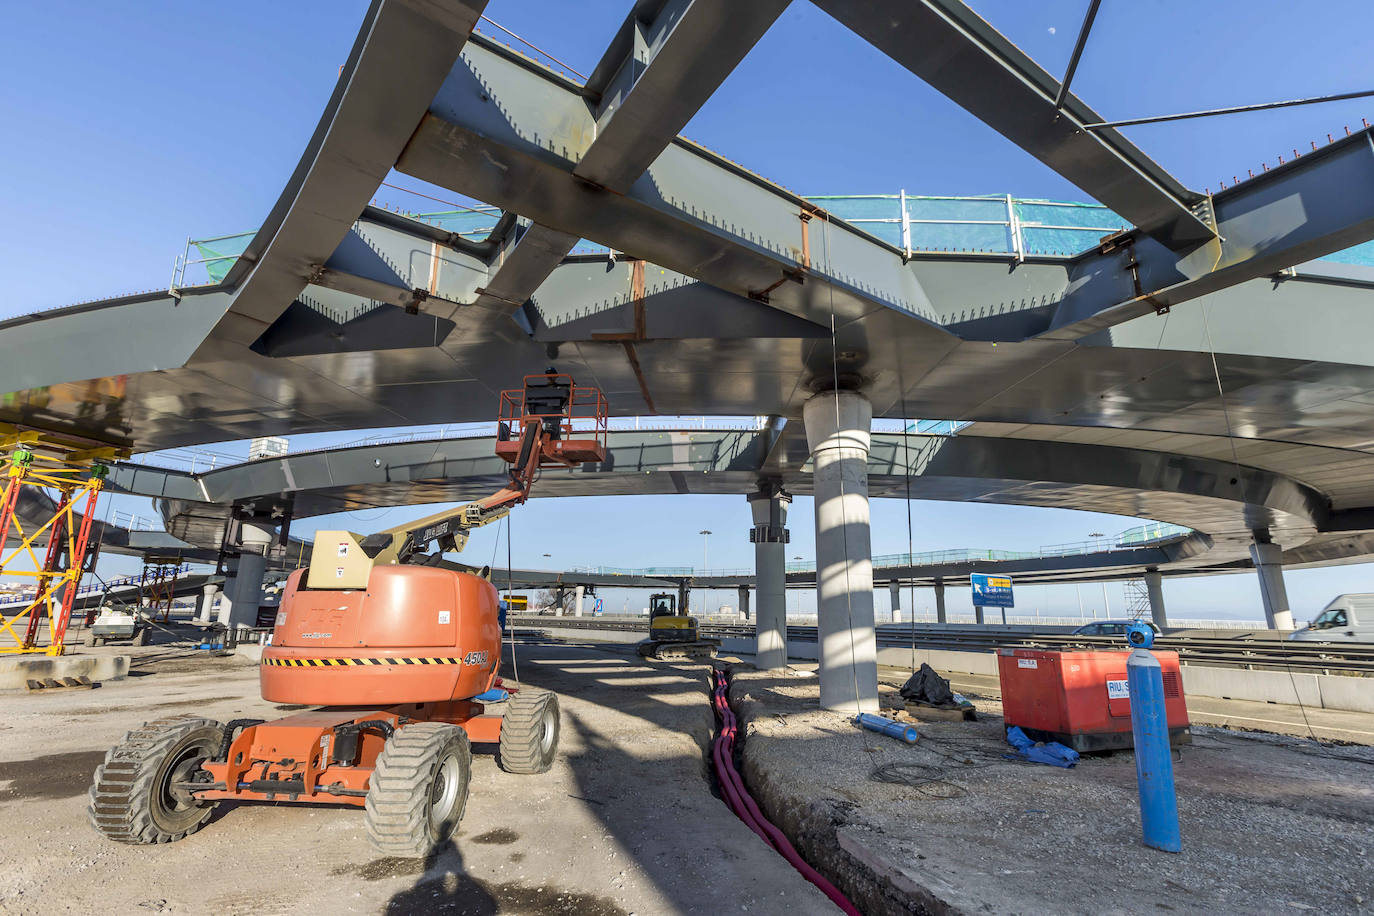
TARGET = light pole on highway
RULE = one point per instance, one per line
(705, 559)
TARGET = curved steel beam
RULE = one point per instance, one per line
(1221, 502)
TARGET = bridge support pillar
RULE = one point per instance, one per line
(205, 611)
(1268, 559)
(940, 615)
(1154, 585)
(744, 602)
(579, 593)
(243, 587)
(768, 506)
(243, 591)
(838, 427)
(894, 595)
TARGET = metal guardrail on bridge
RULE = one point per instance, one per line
(1240, 651)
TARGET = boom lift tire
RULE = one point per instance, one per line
(134, 798)
(529, 732)
(418, 789)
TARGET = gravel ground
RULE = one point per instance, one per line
(1270, 824)
(624, 823)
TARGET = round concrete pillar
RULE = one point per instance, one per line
(1268, 559)
(1154, 585)
(208, 596)
(768, 507)
(837, 432)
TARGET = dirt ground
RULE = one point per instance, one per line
(624, 823)
(1270, 824)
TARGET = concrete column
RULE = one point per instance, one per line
(243, 591)
(768, 507)
(1268, 558)
(894, 594)
(578, 595)
(208, 596)
(837, 432)
(1154, 584)
(744, 602)
(940, 615)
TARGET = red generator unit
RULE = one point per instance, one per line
(1081, 698)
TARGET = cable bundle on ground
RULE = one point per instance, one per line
(743, 804)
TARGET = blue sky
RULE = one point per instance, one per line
(131, 127)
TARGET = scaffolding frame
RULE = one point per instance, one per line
(158, 584)
(70, 472)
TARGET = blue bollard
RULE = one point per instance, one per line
(896, 730)
(1154, 764)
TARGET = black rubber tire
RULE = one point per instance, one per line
(529, 732)
(88, 640)
(141, 637)
(401, 815)
(130, 798)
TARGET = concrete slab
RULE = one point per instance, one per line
(17, 670)
(625, 822)
(1270, 824)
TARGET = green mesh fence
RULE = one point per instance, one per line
(987, 225)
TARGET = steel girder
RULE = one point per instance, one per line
(665, 62)
(511, 133)
(954, 50)
(1223, 501)
(1308, 207)
(401, 56)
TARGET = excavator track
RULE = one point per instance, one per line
(679, 651)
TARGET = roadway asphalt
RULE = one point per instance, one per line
(625, 823)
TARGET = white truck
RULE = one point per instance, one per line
(1348, 618)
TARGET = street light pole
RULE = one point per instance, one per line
(705, 560)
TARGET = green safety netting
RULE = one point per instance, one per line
(217, 255)
(993, 225)
(1360, 254)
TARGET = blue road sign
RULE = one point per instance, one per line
(991, 591)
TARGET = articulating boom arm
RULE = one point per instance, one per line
(449, 529)
(535, 430)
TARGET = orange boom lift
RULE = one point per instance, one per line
(400, 653)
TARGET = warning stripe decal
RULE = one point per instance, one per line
(336, 662)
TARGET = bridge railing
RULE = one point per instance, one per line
(1141, 536)
(201, 460)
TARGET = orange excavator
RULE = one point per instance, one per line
(399, 653)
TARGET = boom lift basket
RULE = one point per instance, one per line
(573, 417)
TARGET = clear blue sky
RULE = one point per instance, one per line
(130, 127)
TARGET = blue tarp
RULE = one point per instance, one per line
(1051, 752)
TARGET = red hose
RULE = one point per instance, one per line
(743, 804)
